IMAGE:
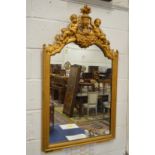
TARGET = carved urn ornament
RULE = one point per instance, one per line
(83, 31)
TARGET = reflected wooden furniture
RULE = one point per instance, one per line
(108, 73)
(82, 97)
(58, 87)
(94, 70)
(87, 75)
(55, 68)
(71, 91)
(63, 72)
(105, 75)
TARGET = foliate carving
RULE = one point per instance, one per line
(84, 32)
(85, 40)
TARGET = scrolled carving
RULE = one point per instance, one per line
(84, 32)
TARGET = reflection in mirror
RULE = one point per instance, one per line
(80, 94)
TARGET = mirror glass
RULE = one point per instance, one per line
(80, 94)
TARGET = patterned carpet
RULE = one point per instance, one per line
(85, 122)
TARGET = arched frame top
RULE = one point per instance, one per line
(83, 32)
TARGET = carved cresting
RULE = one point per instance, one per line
(84, 32)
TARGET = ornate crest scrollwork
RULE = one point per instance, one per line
(84, 32)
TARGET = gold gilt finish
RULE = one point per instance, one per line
(83, 32)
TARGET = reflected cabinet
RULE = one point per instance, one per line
(79, 85)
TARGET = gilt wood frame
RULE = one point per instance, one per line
(83, 32)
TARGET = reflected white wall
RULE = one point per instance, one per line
(91, 56)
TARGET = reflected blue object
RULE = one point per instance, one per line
(58, 135)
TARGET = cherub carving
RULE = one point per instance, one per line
(98, 32)
(72, 27)
(74, 23)
(82, 30)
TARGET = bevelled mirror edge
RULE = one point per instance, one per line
(50, 50)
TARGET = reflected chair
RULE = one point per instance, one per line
(106, 105)
(106, 112)
(107, 91)
(92, 102)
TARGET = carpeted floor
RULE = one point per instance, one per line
(85, 122)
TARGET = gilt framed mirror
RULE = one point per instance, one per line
(79, 85)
